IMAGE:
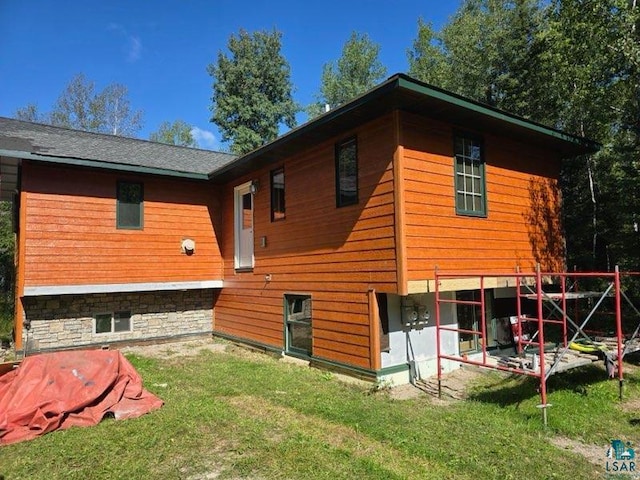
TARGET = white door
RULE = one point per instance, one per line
(243, 226)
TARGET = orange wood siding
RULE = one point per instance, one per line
(71, 237)
(522, 224)
(334, 254)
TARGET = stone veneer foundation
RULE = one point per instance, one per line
(64, 321)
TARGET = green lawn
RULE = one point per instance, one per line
(243, 415)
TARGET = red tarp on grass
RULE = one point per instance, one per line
(65, 389)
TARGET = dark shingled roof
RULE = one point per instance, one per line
(61, 143)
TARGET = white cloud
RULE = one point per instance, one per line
(205, 138)
(115, 27)
(135, 49)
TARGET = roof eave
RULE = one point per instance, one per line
(581, 145)
(323, 119)
(102, 165)
(395, 93)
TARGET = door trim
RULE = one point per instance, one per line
(238, 194)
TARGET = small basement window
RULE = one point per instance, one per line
(130, 199)
(112, 322)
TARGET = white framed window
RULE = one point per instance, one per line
(112, 322)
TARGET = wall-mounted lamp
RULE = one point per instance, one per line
(255, 184)
(188, 246)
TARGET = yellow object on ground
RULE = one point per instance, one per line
(587, 346)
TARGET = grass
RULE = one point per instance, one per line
(242, 415)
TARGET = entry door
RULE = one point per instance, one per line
(243, 226)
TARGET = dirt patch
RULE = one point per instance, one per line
(631, 405)
(596, 454)
(455, 386)
(173, 350)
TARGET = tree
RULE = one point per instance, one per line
(81, 108)
(7, 270)
(30, 113)
(252, 90)
(593, 92)
(77, 106)
(489, 51)
(115, 110)
(176, 133)
(356, 71)
(427, 60)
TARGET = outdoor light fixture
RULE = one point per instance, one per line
(254, 186)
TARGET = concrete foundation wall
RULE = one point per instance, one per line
(68, 320)
(416, 347)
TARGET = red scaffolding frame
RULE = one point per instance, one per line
(546, 360)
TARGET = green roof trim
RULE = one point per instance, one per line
(294, 133)
(101, 165)
(401, 92)
(409, 83)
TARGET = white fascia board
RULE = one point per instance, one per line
(119, 287)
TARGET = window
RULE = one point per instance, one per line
(347, 173)
(470, 181)
(129, 205)
(298, 323)
(277, 194)
(110, 323)
(470, 318)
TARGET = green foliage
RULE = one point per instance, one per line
(176, 133)
(252, 90)
(488, 52)
(356, 71)
(7, 270)
(592, 49)
(30, 113)
(427, 61)
(79, 106)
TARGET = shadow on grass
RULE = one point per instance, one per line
(514, 389)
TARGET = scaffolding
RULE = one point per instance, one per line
(534, 355)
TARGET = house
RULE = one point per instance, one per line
(322, 244)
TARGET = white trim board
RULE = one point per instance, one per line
(119, 287)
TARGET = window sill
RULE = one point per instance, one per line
(244, 269)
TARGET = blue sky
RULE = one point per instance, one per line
(160, 49)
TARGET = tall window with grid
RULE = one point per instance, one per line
(470, 176)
